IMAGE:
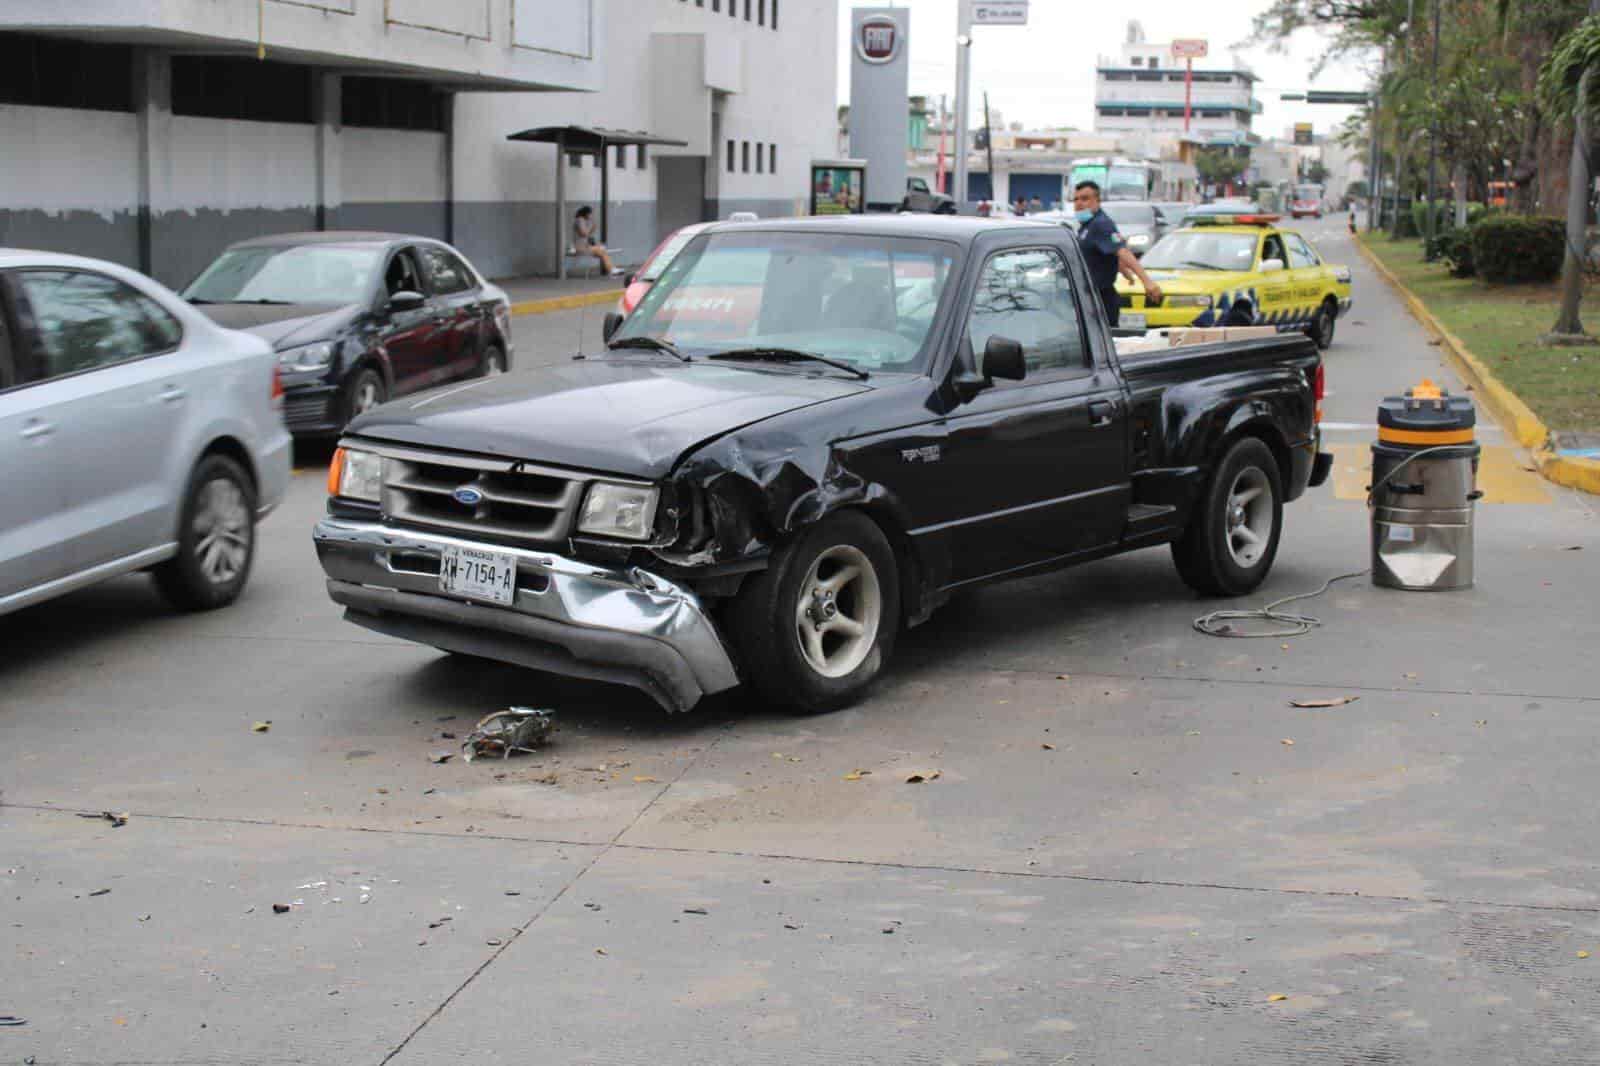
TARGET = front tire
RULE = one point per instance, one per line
(365, 391)
(817, 627)
(494, 361)
(216, 538)
(1322, 325)
(1233, 535)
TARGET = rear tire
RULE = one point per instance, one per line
(817, 627)
(216, 538)
(1233, 534)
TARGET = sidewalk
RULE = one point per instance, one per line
(533, 296)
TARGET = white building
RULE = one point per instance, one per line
(1139, 97)
(153, 134)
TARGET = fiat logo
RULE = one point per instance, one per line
(468, 496)
(878, 39)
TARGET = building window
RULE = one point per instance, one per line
(388, 103)
(622, 157)
(772, 159)
(774, 14)
(53, 72)
(747, 4)
(1154, 62)
(716, 5)
(1138, 61)
(638, 157)
(761, 158)
(574, 160)
(761, 12)
(730, 157)
(239, 88)
(744, 155)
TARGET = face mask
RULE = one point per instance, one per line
(1084, 216)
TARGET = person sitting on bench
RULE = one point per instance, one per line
(583, 242)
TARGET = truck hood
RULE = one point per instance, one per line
(282, 325)
(633, 417)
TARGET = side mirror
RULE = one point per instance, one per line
(1269, 265)
(628, 280)
(1002, 358)
(613, 322)
(406, 300)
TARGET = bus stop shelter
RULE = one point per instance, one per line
(585, 140)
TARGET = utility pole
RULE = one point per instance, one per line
(988, 144)
(1399, 159)
(958, 186)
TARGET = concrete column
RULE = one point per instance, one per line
(329, 107)
(152, 94)
(450, 168)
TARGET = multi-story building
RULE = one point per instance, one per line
(1139, 97)
(154, 134)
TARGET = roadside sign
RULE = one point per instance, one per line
(1190, 48)
(879, 40)
(1302, 133)
(999, 12)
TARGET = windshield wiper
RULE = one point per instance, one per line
(1197, 263)
(652, 343)
(785, 355)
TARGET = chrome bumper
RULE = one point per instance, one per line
(569, 617)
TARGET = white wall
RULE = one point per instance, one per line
(57, 160)
(391, 166)
(226, 165)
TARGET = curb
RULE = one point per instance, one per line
(565, 303)
(1506, 406)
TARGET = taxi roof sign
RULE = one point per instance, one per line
(1228, 218)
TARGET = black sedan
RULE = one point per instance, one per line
(357, 318)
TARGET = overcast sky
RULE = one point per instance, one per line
(1043, 75)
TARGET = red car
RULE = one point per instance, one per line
(640, 281)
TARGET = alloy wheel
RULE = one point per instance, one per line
(839, 610)
(1250, 517)
(222, 531)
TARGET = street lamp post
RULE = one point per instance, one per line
(958, 184)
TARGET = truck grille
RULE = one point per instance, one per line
(517, 503)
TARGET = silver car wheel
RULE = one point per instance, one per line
(838, 611)
(1249, 521)
(222, 531)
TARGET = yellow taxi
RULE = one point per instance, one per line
(1238, 269)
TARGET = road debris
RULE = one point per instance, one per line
(856, 775)
(645, 779)
(1583, 954)
(1048, 747)
(1331, 701)
(1286, 742)
(503, 732)
(600, 951)
(117, 820)
(261, 727)
(920, 778)
(441, 757)
(493, 942)
(695, 910)
(1276, 997)
(101, 892)
(280, 908)
(440, 922)
(12, 1020)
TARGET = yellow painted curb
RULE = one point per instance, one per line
(565, 303)
(1515, 416)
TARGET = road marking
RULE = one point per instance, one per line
(565, 303)
(1501, 475)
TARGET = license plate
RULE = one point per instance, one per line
(479, 575)
(1130, 320)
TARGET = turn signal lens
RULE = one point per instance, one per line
(335, 470)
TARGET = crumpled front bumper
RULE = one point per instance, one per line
(622, 625)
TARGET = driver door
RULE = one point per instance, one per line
(1276, 289)
(414, 340)
(1034, 470)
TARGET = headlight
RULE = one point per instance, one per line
(1187, 301)
(626, 511)
(306, 357)
(356, 475)
(1341, 275)
(1138, 240)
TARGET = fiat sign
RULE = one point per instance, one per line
(878, 39)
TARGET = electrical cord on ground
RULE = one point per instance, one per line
(1216, 624)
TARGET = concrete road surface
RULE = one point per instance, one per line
(1134, 850)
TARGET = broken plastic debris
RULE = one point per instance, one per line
(1332, 701)
(1276, 997)
(503, 732)
(117, 820)
(441, 757)
(645, 779)
(261, 727)
(856, 775)
(917, 779)
(1048, 747)
(695, 910)
(599, 951)
(101, 892)
(1287, 741)
(280, 908)
(1583, 954)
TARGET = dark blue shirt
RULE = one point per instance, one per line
(1101, 242)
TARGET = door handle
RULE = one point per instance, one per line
(172, 394)
(37, 430)
(1101, 413)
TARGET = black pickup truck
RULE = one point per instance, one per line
(805, 438)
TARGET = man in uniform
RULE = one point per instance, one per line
(1106, 253)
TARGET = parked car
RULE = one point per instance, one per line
(923, 200)
(916, 406)
(137, 435)
(638, 283)
(1140, 223)
(358, 318)
(1173, 212)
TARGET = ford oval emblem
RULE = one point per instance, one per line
(468, 496)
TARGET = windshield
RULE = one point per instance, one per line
(1203, 250)
(1131, 214)
(667, 253)
(1126, 183)
(1308, 192)
(304, 274)
(864, 300)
